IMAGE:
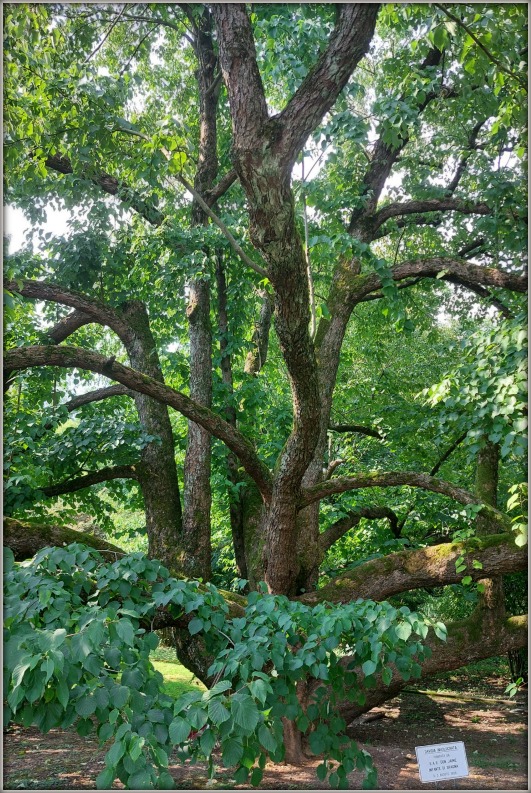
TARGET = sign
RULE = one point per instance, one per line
(442, 761)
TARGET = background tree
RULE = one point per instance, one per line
(368, 220)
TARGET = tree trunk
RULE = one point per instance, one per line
(157, 472)
(197, 466)
(492, 599)
(197, 559)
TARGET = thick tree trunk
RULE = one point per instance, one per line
(156, 472)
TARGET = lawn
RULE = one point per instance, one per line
(177, 679)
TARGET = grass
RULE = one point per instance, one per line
(177, 679)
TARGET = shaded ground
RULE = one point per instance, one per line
(494, 735)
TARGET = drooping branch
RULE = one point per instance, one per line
(362, 430)
(71, 357)
(379, 579)
(468, 641)
(484, 293)
(89, 307)
(340, 527)
(94, 478)
(68, 325)
(456, 270)
(482, 46)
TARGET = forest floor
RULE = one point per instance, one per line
(492, 728)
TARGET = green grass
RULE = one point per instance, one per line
(177, 679)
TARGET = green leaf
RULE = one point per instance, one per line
(267, 739)
(115, 753)
(245, 712)
(125, 631)
(118, 696)
(368, 668)
(105, 779)
(440, 630)
(231, 752)
(85, 706)
(217, 712)
(321, 771)
(256, 776)
(207, 742)
(179, 730)
(195, 626)
(403, 630)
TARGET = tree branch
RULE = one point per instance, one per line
(400, 479)
(89, 307)
(428, 205)
(468, 640)
(457, 270)
(356, 428)
(340, 527)
(26, 539)
(94, 478)
(384, 157)
(97, 396)
(461, 167)
(319, 90)
(380, 579)
(482, 46)
(109, 184)
(68, 325)
(70, 357)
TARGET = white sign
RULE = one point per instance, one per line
(442, 761)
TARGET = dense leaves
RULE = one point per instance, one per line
(77, 643)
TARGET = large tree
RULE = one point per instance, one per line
(349, 290)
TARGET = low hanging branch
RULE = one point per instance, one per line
(379, 579)
(70, 357)
(26, 539)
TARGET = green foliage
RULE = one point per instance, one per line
(77, 647)
(486, 392)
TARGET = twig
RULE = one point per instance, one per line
(106, 36)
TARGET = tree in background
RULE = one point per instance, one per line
(287, 250)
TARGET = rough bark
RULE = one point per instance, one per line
(234, 490)
(263, 151)
(197, 465)
(379, 579)
(26, 539)
(197, 491)
(157, 472)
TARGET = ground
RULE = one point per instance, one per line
(492, 727)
